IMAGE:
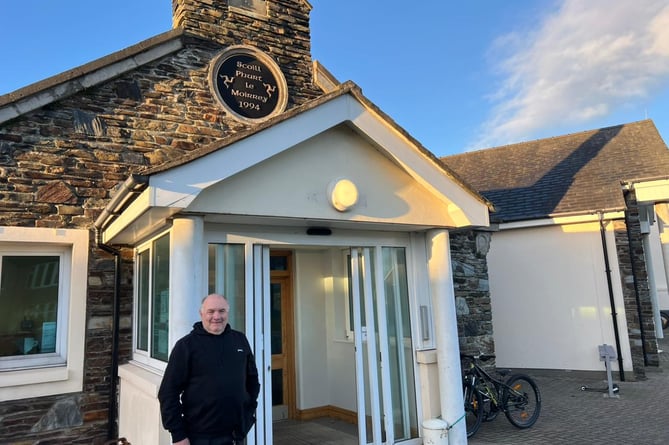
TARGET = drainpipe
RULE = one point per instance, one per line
(112, 412)
(128, 190)
(614, 312)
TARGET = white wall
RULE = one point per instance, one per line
(660, 232)
(139, 410)
(311, 348)
(325, 359)
(387, 194)
(550, 298)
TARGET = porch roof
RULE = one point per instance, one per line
(154, 194)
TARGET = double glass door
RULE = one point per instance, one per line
(383, 345)
(377, 309)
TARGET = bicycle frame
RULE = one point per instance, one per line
(485, 396)
(488, 386)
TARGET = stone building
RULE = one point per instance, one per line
(578, 249)
(218, 157)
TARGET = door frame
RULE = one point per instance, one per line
(285, 279)
(259, 241)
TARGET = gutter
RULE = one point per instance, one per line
(129, 188)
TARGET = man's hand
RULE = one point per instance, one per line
(182, 442)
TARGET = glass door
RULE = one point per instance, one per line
(383, 345)
(241, 274)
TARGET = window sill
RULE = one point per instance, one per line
(33, 376)
(140, 377)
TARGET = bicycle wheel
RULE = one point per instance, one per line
(473, 410)
(521, 401)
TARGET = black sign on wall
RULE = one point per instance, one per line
(248, 83)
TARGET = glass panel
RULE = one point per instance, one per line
(361, 265)
(161, 297)
(143, 270)
(370, 364)
(278, 262)
(29, 304)
(277, 387)
(275, 318)
(227, 277)
(399, 343)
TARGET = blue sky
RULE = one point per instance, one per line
(457, 75)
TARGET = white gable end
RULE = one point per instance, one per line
(296, 182)
(283, 171)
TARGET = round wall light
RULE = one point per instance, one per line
(343, 194)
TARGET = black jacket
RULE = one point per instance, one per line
(210, 387)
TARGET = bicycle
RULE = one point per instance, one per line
(486, 396)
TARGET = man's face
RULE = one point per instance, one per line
(214, 314)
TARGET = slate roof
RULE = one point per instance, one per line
(573, 174)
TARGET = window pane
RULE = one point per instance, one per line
(277, 387)
(28, 304)
(143, 290)
(227, 277)
(278, 262)
(399, 344)
(275, 317)
(161, 300)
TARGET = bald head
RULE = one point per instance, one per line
(214, 312)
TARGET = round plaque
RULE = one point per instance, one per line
(248, 83)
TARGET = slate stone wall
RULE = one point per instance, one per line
(284, 35)
(60, 164)
(636, 291)
(472, 290)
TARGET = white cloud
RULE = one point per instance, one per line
(583, 61)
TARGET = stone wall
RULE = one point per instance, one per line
(284, 34)
(59, 166)
(636, 292)
(472, 290)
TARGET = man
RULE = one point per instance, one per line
(210, 388)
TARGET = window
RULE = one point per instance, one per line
(254, 6)
(42, 310)
(152, 301)
(29, 296)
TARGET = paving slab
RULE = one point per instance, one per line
(569, 415)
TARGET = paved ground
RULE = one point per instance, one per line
(639, 416)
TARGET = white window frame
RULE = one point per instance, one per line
(139, 356)
(63, 371)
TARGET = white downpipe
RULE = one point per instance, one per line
(186, 279)
(446, 332)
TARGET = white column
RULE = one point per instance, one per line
(446, 331)
(187, 268)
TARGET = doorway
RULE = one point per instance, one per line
(282, 335)
(340, 318)
(331, 328)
